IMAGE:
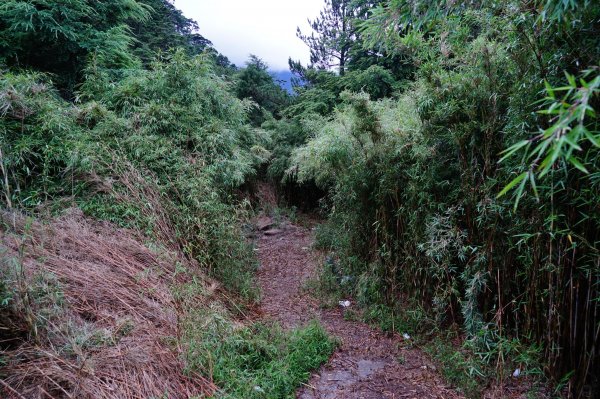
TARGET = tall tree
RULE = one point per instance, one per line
(336, 38)
(256, 83)
(166, 28)
(61, 37)
(332, 35)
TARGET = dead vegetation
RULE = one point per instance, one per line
(103, 318)
(136, 191)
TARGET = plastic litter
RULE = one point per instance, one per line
(344, 304)
(517, 372)
(405, 336)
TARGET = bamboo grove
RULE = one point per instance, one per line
(452, 146)
(474, 190)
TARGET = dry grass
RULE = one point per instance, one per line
(116, 335)
(138, 191)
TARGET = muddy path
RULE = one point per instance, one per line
(368, 364)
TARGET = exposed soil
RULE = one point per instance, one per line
(368, 364)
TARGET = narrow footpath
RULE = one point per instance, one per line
(368, 364)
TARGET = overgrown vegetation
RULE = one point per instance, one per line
(123, 110)
(455, 145)
(260, 361)
(174, 128)
(469, 181)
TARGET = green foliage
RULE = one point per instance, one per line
(413, 183)
(159, 146)
(336, 40)
(286, 135)
(435, 115)
(573, 124)
(259, 361)
(166, 29)
(38, 139)
(376, 81)
(181, 101)
(61, 37)
(58, 37)
(256, 83)
(458, 367)
(314, 101)
(343, 146)
(469, 368)
(408, 318)
(166, 144)
(332, 35)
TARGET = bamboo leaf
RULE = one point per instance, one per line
(513, 183)
(520, 191)
(534, 185)
(512, 149)
(549, 90)
(575, 162)
(594, 139)
(551, 158)
(571, 79)
(572, 141)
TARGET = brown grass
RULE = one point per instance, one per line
(116, 335)
(139, 191)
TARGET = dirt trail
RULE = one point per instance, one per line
(368, 364)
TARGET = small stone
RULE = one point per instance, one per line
(264, 223)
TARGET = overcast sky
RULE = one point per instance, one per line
(266, 28)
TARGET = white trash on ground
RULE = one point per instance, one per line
(405, 336)
(344, 304)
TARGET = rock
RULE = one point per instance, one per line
(264, 223)
(369, 367)
(273, 232)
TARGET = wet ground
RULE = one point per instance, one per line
(368, 363)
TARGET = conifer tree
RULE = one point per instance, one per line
(332, 36)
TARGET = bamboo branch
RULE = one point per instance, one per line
(6, 186)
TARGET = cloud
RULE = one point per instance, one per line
(266, 28)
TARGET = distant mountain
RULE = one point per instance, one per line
(284, 78)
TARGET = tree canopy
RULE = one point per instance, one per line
(61, 38)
